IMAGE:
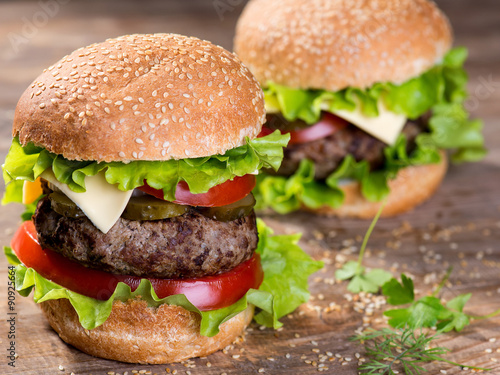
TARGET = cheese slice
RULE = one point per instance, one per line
(31, 191)
(102, 203)
(270, 108)
(386, 126)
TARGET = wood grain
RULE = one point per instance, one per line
(459, 226)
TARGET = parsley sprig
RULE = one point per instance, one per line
(427, 311)
(409, 343)
(361, 279)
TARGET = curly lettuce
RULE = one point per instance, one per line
(285, 287)
(201, 174)
(441, 90)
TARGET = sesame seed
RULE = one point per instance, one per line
(42, 105)
(138, 140)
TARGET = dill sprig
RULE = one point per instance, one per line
(390, 350)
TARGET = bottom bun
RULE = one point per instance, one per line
(137, 333)
(412, 186)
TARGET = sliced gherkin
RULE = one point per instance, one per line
(61, 204)
(230, 212)
(146, 207)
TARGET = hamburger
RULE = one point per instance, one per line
(138, 156)
(372, 95)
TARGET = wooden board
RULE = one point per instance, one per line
(459, 226)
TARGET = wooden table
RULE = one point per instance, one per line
(459, 226)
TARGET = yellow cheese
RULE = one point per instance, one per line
(270, 108)
(386, 126)
(103, 203)
(31, 191)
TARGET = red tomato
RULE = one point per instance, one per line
(206, 293)
(265, 131)
(327, 125)
(221, 195)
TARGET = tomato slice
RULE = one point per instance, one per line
(327, 125)
(221, 195)
(206, 293)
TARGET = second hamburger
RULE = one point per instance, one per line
(370, 92)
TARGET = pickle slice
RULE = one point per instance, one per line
(147, 207)
(61, 204)
(230, 212)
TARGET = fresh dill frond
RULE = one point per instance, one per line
(391, 350)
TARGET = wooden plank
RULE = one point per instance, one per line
(459, 226)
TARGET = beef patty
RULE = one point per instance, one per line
(186, 246)
(328, 153)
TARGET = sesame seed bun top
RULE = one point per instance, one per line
(142, 97)
(334, 44)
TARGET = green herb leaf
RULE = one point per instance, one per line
(348, 270)
(458, 320)
(427, 311)
(399, 293)
(369, 282)
(362, 281)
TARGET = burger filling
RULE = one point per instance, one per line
(328, 152)
(175, 241)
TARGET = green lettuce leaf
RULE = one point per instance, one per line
(28, 162)
(443, 83)
(287, 194)
(286, 270)
(14, 194)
